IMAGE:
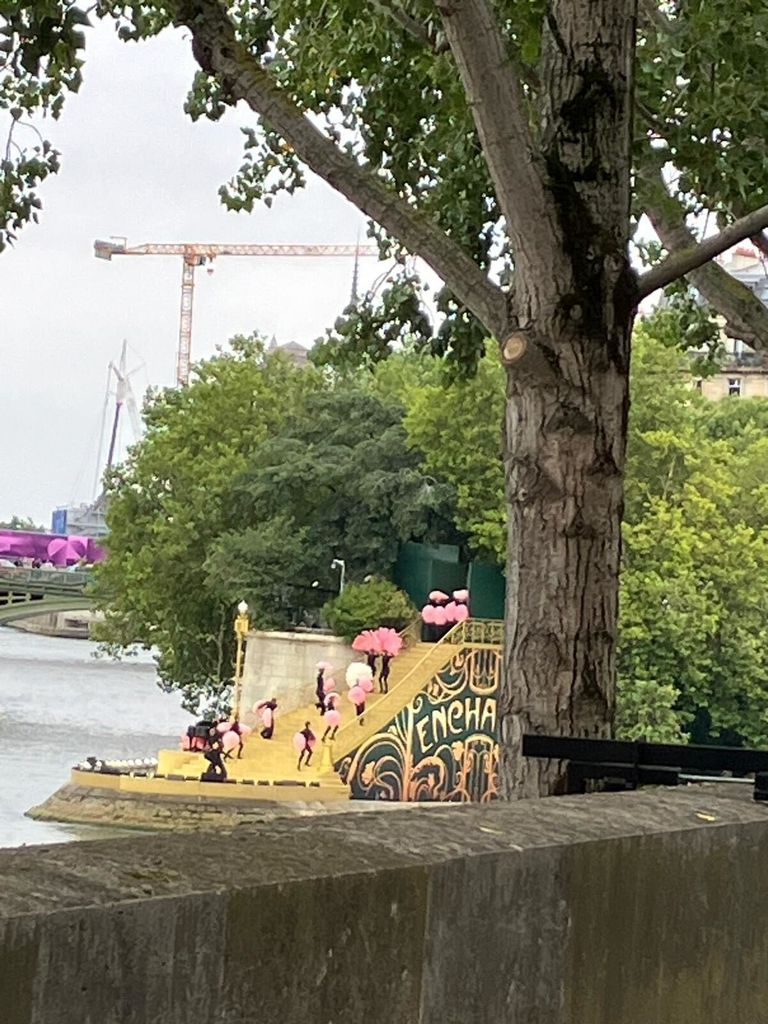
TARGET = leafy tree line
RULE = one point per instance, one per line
(247, 484)
(251, 481)
(21, 523)
(513, 145)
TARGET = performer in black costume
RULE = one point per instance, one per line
(217, 772)
(268, 730)
(371, 659)
(319, 691)
(309, 740)
(236, 729)
(384, 674)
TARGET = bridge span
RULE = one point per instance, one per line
(28, 592)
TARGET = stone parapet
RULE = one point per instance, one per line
(606, 909)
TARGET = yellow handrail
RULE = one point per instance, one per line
(411, 634)
(469, 632)
(477, 631)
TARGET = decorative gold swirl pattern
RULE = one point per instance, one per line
(443, 745)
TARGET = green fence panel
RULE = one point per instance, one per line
(487, 586)
(421, 568)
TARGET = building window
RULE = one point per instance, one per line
(734, 386)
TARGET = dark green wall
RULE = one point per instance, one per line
(421, 568)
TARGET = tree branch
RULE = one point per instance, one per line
(412, 26)
(651, 15)
(492, 84)
(219, 53)
(679, 264)
(746, 318)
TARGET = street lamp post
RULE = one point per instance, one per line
(341, 565)
(242, 625)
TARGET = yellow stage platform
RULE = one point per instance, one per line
(273, 763)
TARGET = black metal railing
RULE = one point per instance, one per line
(627, 764)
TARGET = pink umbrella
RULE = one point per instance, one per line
(428, 613)
(332, 718)
(462, 613)
(366, 685)
(440, 617)
(78, 545)
(57, 551)
(357, 695)
(450, 612)
(329, 685)
(461, 595)
(438, 595)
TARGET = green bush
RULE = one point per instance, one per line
(367, 606)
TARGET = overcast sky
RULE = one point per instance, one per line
(133, 164)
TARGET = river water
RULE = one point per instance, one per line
(58, 705)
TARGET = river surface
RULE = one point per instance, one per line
(58, 705)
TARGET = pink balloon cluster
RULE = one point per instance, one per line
(359, 674)
(300, 742)
(445, 611)
(360, 682)
(264, 712)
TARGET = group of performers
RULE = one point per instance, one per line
(218, 739)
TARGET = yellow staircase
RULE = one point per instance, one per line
(273, 763)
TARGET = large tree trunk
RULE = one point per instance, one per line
(567, 399)
(565, 447)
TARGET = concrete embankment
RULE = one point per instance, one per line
(181, 808)
(607, 909)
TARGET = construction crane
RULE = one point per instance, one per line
(197, 255)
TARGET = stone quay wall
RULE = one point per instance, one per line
(636, 908)
(283, 665)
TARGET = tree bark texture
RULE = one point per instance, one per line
(566, 428)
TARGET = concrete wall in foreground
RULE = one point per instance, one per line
(283, 665)
(644, 908)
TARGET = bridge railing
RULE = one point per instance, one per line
(48, 577)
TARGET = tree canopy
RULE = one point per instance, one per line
(169, 502)
(21, 523)
(245, 486)
(249, 483)
(512, 145)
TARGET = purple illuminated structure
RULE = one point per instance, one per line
(49, 547)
